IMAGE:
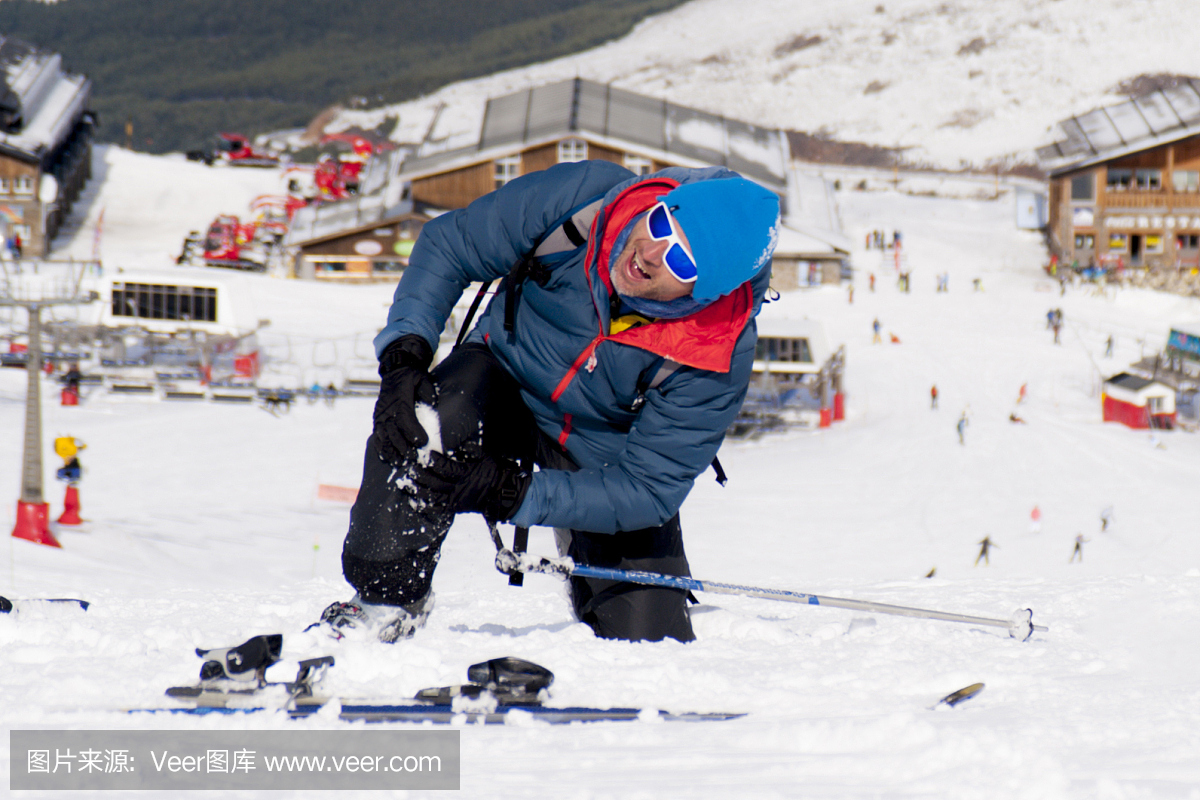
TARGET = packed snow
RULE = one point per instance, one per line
(203, 528)
(950, 83)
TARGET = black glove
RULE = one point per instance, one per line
(474, 481)
(404, 370)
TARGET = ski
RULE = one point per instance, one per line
(447, 714)
(233, 681)
(8, 606)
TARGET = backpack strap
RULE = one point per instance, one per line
(572, 233)
(568, 235)
(564, 237)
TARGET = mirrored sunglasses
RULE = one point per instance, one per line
(678, 258)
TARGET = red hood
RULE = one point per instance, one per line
(705, 339)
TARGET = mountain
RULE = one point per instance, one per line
(182, 70)
(949, 82)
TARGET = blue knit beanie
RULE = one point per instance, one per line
(732, 225)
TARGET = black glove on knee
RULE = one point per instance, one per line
(474, 481)
(404, 370)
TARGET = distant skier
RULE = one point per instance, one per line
(1105, 518)
(1108, 347)
(875, 326)
(1021, 393)
(72, 378)
(70, 392)
(1015, 419)
(871, 281)
(1078, 551)
(985, 547)
(961, 427)
(1035, 520)
(933, 396)
(977, 283)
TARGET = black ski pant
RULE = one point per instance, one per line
(395, 536)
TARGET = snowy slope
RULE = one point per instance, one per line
(204, 528)
(144, 208)
(966, 81)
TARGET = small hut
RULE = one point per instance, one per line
(1138, 402)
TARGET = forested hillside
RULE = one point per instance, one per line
(182, 70)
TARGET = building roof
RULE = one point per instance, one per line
(40, 103)
(637, 123)
(1160, 117)
(1133, 383)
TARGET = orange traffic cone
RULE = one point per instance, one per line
(70, 515)
(33, 524)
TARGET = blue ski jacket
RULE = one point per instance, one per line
(638, 460)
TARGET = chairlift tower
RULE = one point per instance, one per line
(33, 511)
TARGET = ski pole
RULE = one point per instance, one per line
(1019, 626)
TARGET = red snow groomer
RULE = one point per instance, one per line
(231, 243)
(237, 151)
(336, 178)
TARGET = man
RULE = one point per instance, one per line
(614, 364)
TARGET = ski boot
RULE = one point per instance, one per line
(359, 620)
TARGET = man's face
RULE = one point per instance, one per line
(640, 271)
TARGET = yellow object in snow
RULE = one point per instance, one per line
(67, 447)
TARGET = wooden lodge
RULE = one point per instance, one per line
(45, 144)
(575, 120)
(369, 236)
(1125, 183)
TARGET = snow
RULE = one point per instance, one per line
(962, 82)
(204, 527)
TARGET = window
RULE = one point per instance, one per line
(794, 350)
(1186, 180)
(1118, 242)
(1119, 180)
(1083, 187)
(1155, 404)
(1085, 241)
(507, 168)
(639, 165)
(23, 184)
(1148, 179)
(570, 150)
(1154, 243)
(1187, 241)
(3, 185)
(154, 301)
